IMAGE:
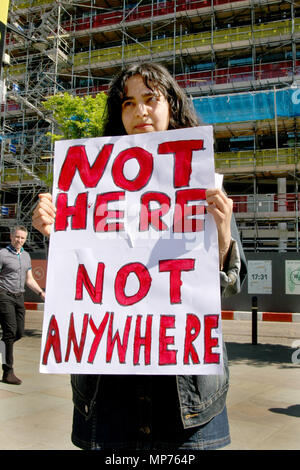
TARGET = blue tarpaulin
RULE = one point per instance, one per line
(248, 106)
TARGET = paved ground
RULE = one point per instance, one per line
(263, 401)
(264, 396)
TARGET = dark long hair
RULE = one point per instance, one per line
(154, 76)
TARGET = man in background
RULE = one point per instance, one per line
(15, 272)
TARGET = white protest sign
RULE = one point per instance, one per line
(133, 269)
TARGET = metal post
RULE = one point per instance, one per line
(254, 320)
(297, 218)
(276, 125)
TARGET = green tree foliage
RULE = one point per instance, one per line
(78, 117)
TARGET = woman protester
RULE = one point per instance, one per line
(145, 411)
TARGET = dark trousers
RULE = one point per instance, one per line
(12, 321)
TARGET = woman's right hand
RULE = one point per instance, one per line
(44, 214)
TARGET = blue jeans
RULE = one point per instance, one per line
(142, 413)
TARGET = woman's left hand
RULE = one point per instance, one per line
(220, 206)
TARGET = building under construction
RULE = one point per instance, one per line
(238, 61)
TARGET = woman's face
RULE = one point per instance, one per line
(144, 110)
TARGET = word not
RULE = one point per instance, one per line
(173, 266)
(76, 159)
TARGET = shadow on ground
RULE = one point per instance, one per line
(260, 354)
(293, 410)
(33, 333)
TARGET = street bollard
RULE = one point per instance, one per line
(254, 320)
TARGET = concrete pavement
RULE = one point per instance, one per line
(264, 396)
(263, 401)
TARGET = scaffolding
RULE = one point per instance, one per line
(38, 47)
(238, 60)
